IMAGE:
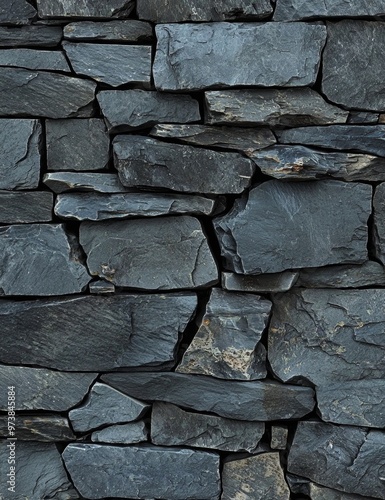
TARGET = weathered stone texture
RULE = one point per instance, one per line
(94, 9)
(134, 432)
(295, 10)
(379, 222)
(16, 12)
(109, 31)
(61, 182)
(34, 59)
(25, 207)
(32, 427)
(31, 36)
(269, 282)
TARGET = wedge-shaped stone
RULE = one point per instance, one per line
(95, 333)
(172, 426)
(379, 222)
(292, 225)
(227, 344)
(295, 10)
(38, 93)
(34, 59)
(16, 12)
(25, 207)
(61, 182)
(125, 110)
(253, 401)
(328, 336)
(134, 432)
(270, 283)
(48, 427)
(349, 459)
(363, 117)
(288, 107)
(95, 9)
(31, 36)
(198, 56)
(145, 162)
(110, 31)
(141, 472)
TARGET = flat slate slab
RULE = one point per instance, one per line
(92, 333)
(34, 59)
(16, 12)
(129, 30)
(96, 9)
(295, 10)
(134, 432)
(20, 207)
(62, 182)
(31, 36)
(379, 223)
(192, 56)
(292, 225)
(32, 427)
(268, 283)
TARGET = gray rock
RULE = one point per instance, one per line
(268, 283)
(61, 182)
(172, 426)
(105, 405)
(110, 31)
(317, 492)
(40, 259)
(20, 153)
(25, 207)
(279, 435)
(79, 144)
(379, 222)
(134, 432)
(34, 59)
(198, 56)
(145, 162)
(294, 10)
(111, 63)
(292, 225)
(119, 331)
(39, 93)
(363, 117)
(254, 401)
(327, 336)
(227, 344)
(125, 110)
(48, 427)
(287, 107)
(16, 12)
(31, 36)
(142, 472)
(348, 459)
(101, 287)
(255, 478)
(96, 9)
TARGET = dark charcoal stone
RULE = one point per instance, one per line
(95, 333)
(25, 207)
(363, 117)
(134, 432)
(101, 287)
(125, 110)
(198, 56)
(16, 12)
(349, 459)
(48, 427)
(279, 434)
(19, 153)
(288, 107)
(327, 336)
(40, 259)
(172, 426)
(227, 344)
(350, 47)
(110, 31)
(150, 254)
(111, 63)
(291, 225)
(379, 222)
(79, 144)
(95, 9)
(61, 182)
(294, 10)
(253, 401)
(256, 477)
(39, 93)
(141, 472)
(31, 36)
(144, 162)
(275, 282)
(34, 59)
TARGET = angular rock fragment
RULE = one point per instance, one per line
(141, 472)
(16, 12)
(48, 427)
(363, 117)
(279, 434)
(270, 283)
(192, 56)
(25, 207)
(125, 110)
(253, 401)
(61, 182)
(74, 8)
(227, 344)
(34, 59)
(134, 432)
(292, 225)
(379, 222)
(93, 333)
(110, 31)
(172, 426)
(295, 10)
(144, 162)
(31, 36)
(101, 287)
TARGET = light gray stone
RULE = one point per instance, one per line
(134, 432)
(16, 12)
(111, 31)
(25, 207)
(95, 9)
(295, 10)
(32, 427)
(31, 36)
(268, 283)
(62, 182)
(34, 59)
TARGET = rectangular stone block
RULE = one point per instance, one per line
(18, 208)
(96, 9)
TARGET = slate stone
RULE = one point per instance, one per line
(110, 31)
(144, 162)
(379, 222)
(101, 287)
(40, 259)
(20, 153)
(292, 225)
(255, 477)
(126, 110)
(244, 140)
(363, 117)
(96, 9)
(30, 36)
(227, 344)
(39, 93)
(349, 459)
(350, 47)
(34, 59)
(25, 207)
(295, 10)
(254, 401)
(78, 144)
(317, 492)
(91, 333)
(141, 472)
(61, 182)
(302, 163)
(268, 283)
(327, 336)
(98, 206)
(287, 107)
(111, 63)
(172, 426)
(279, 435)
(134, 432)
(198, 56)
(16, 12)
(48, 427)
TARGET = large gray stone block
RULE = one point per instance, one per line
(30, 36)
(34, 59)
(95, 9)
(25, 207)
(16, 12)
(295, 10)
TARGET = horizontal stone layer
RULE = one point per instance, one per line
(295, 10)
(95, 9)
(110, 31)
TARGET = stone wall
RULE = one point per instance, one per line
(192, 240)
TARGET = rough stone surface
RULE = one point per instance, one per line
(141, 472)
(270, 283)
(134, 432)
(61, 182)
(198, 56)
(19, 153)
(363, 117)
(25, 207)
(125, 110)
(327, 336)
(101, 287)
(279, 435)
(172, 426)
(317, 492)
(95, 9)
(253, 401)
(34, 59)
(48, 427)
(294, 10)
(112, 31)
(16, 12)
(31, 36)
(379, 222)
(292, 225)
(227, 344)
(144, 162)
(95, 333)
